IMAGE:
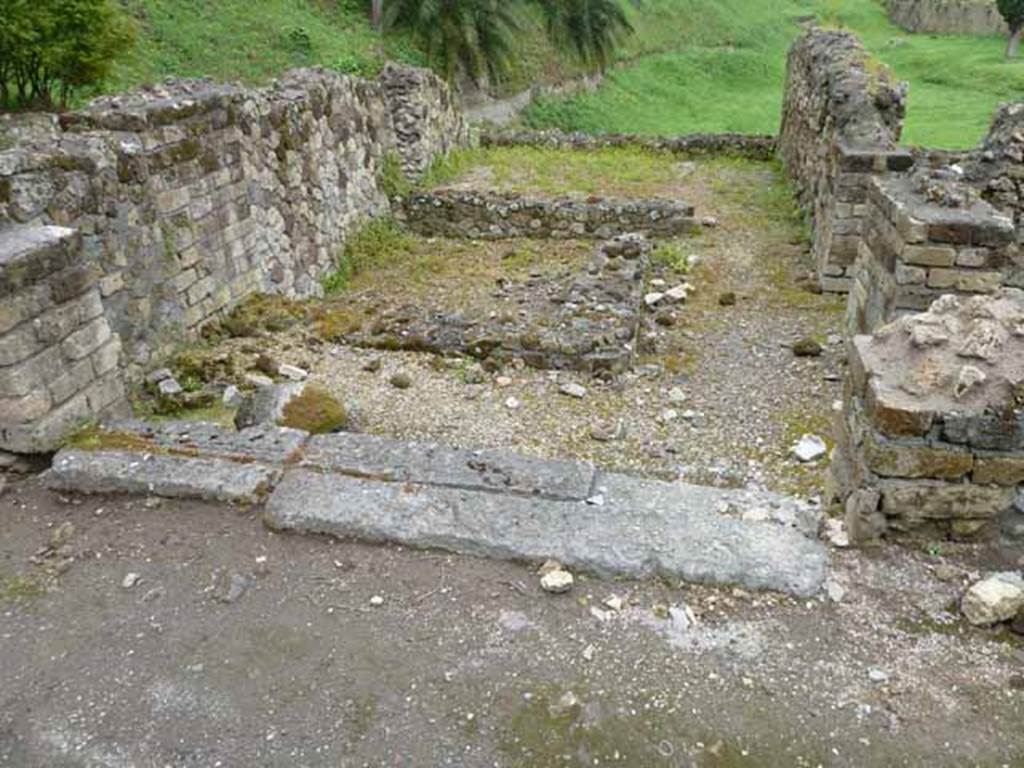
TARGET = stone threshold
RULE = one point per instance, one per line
(484, 503)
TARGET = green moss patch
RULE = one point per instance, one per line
(316, 411)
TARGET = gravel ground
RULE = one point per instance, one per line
(721, 401)
(465, 662)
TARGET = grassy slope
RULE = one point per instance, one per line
(250, 41)
(725, 70)
(255, 41)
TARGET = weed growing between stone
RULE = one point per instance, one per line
(379, 242)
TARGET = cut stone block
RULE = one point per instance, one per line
(166, 475)
(265, 444)
(379, 458)
(629, 527)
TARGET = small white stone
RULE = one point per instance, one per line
(588, 653)
(232, 398)
(878, 676)
(809, 448)
(556, 582)
(678, 294)
(835, 532)
(512, 404)
(293, 372)
(676, 396)
(835, 591)
(376, 601)
(653, 299)
(1000, 597)
(130, 580)
(613, 602)
(503, 381)
(572, 389)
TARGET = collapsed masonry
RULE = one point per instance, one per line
(588, 321)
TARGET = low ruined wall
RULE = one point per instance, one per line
(926, 237)
(189, 197)
(495, 216)
(842, 118)
(947, 17)
(930, 443)
(996, 168)
(754, 147)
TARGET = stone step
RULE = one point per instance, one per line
(623, 526)
(485, 503)
(170, 476)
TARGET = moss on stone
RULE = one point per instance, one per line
(316, 411)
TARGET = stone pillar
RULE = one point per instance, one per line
(930, 441)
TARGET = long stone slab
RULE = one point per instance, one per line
(384, 459)
(630, 527)
(264, 443)
(168, 475)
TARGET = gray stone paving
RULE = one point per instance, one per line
(485, 503)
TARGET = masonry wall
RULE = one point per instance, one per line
(947, 17)
(924, 238)
(185, 199)
(842, 119)
(495, 216)
(930, 442)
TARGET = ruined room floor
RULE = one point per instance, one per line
(465, 662)
(746, 398)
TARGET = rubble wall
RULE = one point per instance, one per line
(947, 17)
(842, 119)
(186, 198)
(496, 216)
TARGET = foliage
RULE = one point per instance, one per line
(592, 29)
(1012, 11)
(472, 38)
(50, 49)
(378, 242)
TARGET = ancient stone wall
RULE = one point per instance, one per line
(842, 119)
(59, 358)
(753, 147)
(186, 198)
(496, 216)
(930, 443)
(996, 168)
(947, 17)
(927, 235)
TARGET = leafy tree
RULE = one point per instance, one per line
(49, 49)
(1013, 12)
(591, 29)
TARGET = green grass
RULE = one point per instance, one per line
(252, 41)
(379, 242)
(624, 171)
(726, 69)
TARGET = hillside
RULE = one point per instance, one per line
(726, 69)
(693, 65)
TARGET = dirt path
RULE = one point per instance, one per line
(466, 662)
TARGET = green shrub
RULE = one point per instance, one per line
(50, 49)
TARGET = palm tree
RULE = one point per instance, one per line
(591, 29)
(460, 37)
